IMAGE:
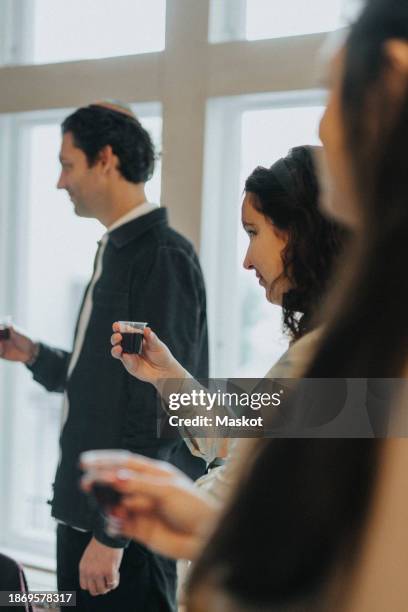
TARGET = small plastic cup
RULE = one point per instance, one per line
(98, 465)
(5, 324)
(132, 336)
(101, 459)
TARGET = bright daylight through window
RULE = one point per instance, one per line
(74, 30)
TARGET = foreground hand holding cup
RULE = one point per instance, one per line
(99, 468)
(159, 506)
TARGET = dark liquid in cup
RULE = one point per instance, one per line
(106, 496)
(131, 343)
(4, 333)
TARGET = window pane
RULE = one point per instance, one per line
(56, 274)
(58, 251)
(266, 136)
(271, 19)
(154, 126)
(79, 29)
(258, 19)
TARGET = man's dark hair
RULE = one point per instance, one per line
(94, 127)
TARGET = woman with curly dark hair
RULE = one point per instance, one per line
(293, 249)
(296, 274)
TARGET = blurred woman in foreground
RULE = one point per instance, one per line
(291, 535)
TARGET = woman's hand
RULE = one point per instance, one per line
(155, 363)
(160, 507)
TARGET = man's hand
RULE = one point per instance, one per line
(99, 568)
(17, 348)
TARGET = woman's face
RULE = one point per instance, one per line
(338, 194)
(264, 254)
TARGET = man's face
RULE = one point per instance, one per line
(81, 181)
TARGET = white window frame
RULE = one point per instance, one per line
(191, 80)
(15, 34)
(222, 195)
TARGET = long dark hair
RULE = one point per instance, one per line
(297, 509)
(368, 335)
(268, 547)
(287, 194)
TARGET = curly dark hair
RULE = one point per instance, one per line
(287, 194)
(94, 127)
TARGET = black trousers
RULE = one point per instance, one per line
(147, 581)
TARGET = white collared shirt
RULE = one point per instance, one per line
(137, 211)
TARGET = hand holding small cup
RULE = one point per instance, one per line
(157, 505)
(154, 363)
(14, 346)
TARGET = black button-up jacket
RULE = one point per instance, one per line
(150, 273)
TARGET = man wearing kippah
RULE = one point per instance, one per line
(143, 271)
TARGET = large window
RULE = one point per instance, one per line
(59, 31)
(243, 133)
(56, 251)
(261, 19)
(291, 18)
(226, 108)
